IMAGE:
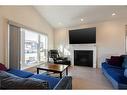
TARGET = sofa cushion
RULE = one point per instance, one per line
(124, 64)
(105, 65)
(51, 80)
(20, 73)
(125, 73)
(117, 74)
(2, 67)
(10, 81)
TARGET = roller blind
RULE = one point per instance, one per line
(14, 46)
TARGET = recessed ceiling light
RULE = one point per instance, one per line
(60, 23)
(113, 14)
(81, 19)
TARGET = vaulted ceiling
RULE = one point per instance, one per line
(67, 16)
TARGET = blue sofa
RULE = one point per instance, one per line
(115, 75)
(54, 83)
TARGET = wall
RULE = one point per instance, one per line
(110, 38)
(27, 16)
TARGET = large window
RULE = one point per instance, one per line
(43, 47)
(34, 48)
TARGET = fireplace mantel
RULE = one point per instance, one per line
(83, 47)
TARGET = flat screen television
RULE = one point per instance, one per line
(82, 36)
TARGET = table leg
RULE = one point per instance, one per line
(66, 71)
(61, 75)
(37, 71)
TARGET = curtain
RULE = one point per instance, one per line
(14, 46)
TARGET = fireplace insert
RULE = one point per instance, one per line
(83, 58)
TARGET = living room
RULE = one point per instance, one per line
(51, 26)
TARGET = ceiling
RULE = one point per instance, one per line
(67, 16)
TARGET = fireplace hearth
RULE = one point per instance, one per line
(83, 58)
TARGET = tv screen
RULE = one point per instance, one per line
(82, 36)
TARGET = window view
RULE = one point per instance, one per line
(34, 48)
(31, 43)
(43, 47)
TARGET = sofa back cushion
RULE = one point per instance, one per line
(8, 81)
(2, 67)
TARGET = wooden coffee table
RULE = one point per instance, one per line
(51, 67)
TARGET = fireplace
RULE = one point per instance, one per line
(90, 53)
(83, 58)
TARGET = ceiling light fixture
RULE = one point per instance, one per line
(113, 14)
(82, 19)
(60, 23)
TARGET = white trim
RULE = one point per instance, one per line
(25, 27)
(83, 47)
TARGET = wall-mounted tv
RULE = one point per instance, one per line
(82, 36)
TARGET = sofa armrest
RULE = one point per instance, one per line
(64, 83)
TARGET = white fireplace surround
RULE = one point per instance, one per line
(83, 47)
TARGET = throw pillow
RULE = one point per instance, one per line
(115, 61)
(4, 74)
(23, 83)
(125, 73)
(9, 81)
(2, 67)
(124, 64)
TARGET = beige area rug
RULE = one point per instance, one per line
(89, 78)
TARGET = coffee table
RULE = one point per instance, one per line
(51, 67)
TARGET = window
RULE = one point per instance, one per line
(34, 48)
(43, 47)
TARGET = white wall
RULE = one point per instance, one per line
(110, 38)
(27, 16)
